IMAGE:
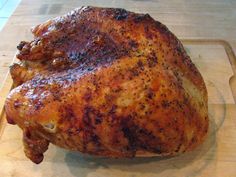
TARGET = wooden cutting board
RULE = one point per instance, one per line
(216, 157)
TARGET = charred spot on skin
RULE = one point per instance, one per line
(146, 132)
(193, 140)
(70, 132)
(179, 49)
(113, 109)
(131, 137)
(73, 131)
(141, 17)
(129, 130)
(38, 105)
(95, 139)
(165, 104)
(133, 44)
(148, 137)
(89, 119)
(152, 60)
(140, 64)
(92, 116)
(148, 33)
(21, 45)
(87, 96)
(150, 93)
(142, 106)
(121, 14)
(98, 120)
(134, 72)
(158, 150)
(66, 114)
(69, 113)
(56, 95)
(108, 97)
(162, 28)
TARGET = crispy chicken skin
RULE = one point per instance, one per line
(107, 82)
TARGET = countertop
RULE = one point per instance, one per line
(188, 19)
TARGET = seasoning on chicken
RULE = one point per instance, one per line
(107, 82)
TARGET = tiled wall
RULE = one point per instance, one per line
(7, 7)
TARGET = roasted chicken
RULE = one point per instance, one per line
(107, 82)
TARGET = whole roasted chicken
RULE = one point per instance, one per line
(107, 82)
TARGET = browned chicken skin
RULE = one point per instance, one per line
(107, 82)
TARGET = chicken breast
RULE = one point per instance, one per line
(107, 82)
